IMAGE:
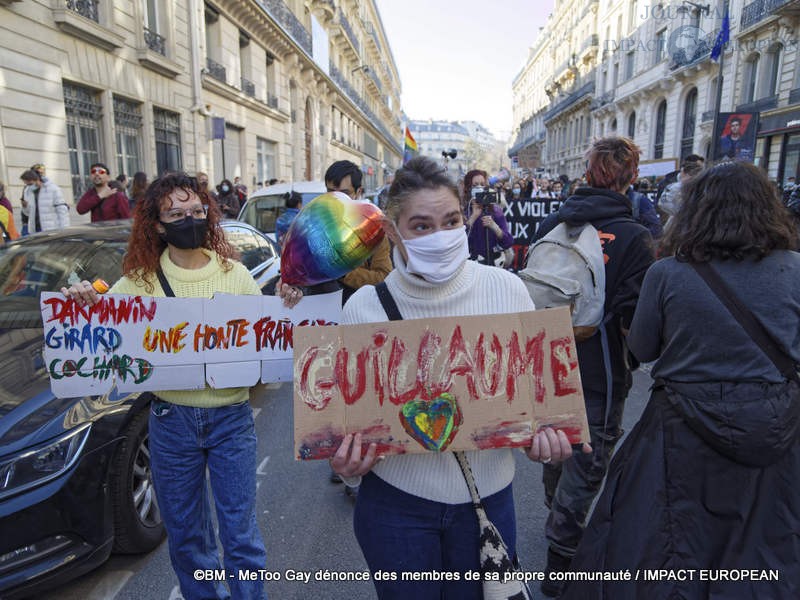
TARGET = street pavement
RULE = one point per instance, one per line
(307, 521)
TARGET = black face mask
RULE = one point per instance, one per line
(187, 234)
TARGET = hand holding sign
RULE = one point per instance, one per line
(330, 237)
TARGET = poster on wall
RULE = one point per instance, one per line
(430, 385)
(736, 136)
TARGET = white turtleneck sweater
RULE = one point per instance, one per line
(475, 289)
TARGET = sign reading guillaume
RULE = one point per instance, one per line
(430, 385)
(135, 343)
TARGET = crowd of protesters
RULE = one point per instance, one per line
(43, 206)
(734, 415)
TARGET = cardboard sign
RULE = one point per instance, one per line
(430, 385)
(135, 343)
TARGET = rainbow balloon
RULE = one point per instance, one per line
(331, 236)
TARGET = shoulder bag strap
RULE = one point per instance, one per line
(466, 470)
(162, 279)
(388, 303)
(748, 321)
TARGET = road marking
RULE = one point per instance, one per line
(262, 466)
(274, 386)
(256, 411)
(110, 585)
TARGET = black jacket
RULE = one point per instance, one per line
(706, 480)
(627, 247)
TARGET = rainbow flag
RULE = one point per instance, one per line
(410, 150)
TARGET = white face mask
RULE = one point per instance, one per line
(437, 256)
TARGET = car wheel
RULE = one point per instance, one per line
(137, 521)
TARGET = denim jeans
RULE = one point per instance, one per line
(184, 441)
(570, 488)
(399, 532)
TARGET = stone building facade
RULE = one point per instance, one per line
(257, 89)
(654, 80)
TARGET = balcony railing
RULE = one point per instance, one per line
(374, 77)
(759, 10)
(216, 70)
(759, 105)
(156, 42)
(702, 51)
(351, 35)
(283, 15)
(355, 97)
(370, 29)
(248, 87)
(603, 99)
(584, 90)
(272, 100)
(85, 8)
(591, 41)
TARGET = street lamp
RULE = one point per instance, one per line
(364, 68)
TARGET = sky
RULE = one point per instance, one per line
(457, 59)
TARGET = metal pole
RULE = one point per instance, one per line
(718, 103)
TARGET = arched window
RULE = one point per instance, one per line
(689, 120)
(632, 125)
(661, 129)
(750, 78)
(773, 68)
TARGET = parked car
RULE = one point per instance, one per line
(264, 206)
(75, 479)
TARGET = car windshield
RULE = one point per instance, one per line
(262, 212)
(27, 270)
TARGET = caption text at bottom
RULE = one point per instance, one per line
(527, 576)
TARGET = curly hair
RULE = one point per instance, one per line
(731, 211)
(146, 245)
(467, 189)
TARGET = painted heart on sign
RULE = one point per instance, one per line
(432, 423)
(331, 236)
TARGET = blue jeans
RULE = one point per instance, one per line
(401, 533)
(184, 441)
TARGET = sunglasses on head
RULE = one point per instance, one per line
(98, 171)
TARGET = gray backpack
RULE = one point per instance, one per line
(566, 268)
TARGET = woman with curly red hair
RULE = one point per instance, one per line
(177, 248)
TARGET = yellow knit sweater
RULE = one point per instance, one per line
(197, 283)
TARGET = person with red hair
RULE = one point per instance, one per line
(612, 165)
(177, 248)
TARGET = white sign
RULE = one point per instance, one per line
(135, 343)
(657, 168)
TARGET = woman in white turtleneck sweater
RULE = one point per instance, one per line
(414, 512)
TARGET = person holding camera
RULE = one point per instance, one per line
(489, 237)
